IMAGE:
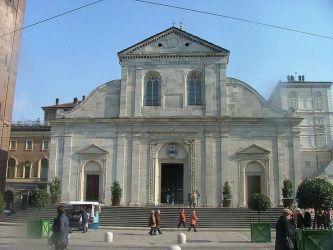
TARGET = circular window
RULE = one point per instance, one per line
(187, 44)
(159, 45)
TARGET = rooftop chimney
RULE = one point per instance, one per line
(83, 97)
(57, 101)
(75, 100)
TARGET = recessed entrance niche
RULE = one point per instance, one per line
(172, 182)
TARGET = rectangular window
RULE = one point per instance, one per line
(29, 145)
(12, 145)
(319, 121)
(307, 164)
(194, 90)
(152, 95)
(45, 145)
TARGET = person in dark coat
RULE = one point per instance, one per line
(307, 219)
(299, 219)
(158, 221)
(284, 229)
(60, 229)
(152, 222)
(84, 216)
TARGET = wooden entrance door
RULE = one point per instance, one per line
(253, 185)
(92, 188)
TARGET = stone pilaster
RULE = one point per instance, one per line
(67, 192)
(210, 169)
(123, 93)
(136, 170)
(121, 161)
(138, 91)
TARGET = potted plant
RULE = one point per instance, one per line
(318, 194)
(226, 194)
(116, 193)
(37, 227)
(55, 190)
(260, 232)
(287, 192)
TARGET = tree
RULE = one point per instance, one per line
(2, 203)
(287, 190)
(259, 202)
(55, 189)
(226, 194)
(315, 193)
(116, 193)
(39, 199)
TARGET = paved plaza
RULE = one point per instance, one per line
(14, 237)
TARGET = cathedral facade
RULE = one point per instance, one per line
(174, 123)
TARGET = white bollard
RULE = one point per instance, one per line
(174, 247)
(181, 238)
(108, 237)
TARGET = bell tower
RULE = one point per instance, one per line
(11, 21)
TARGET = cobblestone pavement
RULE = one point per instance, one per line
(14, 237)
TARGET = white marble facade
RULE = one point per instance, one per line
(230, 134)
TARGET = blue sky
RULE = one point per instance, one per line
(70, 56)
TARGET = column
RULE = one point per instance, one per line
(225, 171)
(123, 93)
(138, 92)
(223, 90)
(208, 91)
(67, 192)
(210, 169)
(135, 182)
(121, 154)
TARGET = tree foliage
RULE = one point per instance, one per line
(287, 190)
(39, 199)
(227, 191)
(116, 191)
(315, 193)
(55, 188)
(259, 202)
(2, 203)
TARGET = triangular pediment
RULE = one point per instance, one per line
(253, 149)
(173, 41)
(92, 149)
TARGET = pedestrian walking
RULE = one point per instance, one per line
(198, 196)
(194, 198)
(152, 222)
(60, 229)
(189, 199)
(284, 232)
(182, 218)
(84, 219)
(158, 222)
(193, 221)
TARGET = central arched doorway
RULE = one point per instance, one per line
(255, 179)
(92, 180)
(172, 182)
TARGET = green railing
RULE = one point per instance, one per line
(261, 232)
(314, 239)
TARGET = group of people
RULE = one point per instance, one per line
(155, 221)
(193, 198)
(289, 220)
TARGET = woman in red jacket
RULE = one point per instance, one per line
(182, 218)
(193, 221)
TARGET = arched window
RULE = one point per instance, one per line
(27, 168)
(45, 168)
(293, 100)
(35, 170)
(318, 100)
(11, 168)
(194, 88)
(152, 89)
(19, 170)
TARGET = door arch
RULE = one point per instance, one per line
(92, 183)
(254, 179)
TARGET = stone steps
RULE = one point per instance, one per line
(138, 216)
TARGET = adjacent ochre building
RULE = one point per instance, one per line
(174, 123)
(11, 21)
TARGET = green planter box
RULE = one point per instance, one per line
(314, 239)
(261, 232)
(38, 229)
